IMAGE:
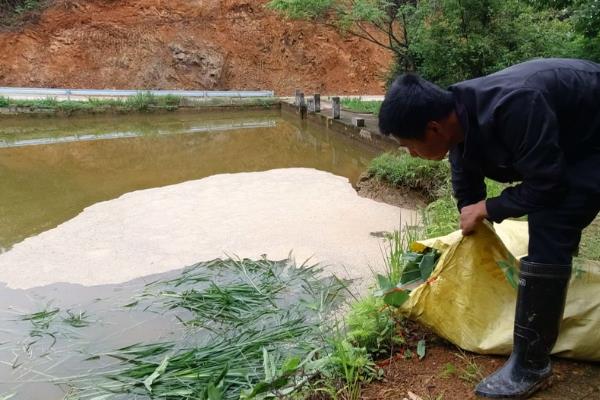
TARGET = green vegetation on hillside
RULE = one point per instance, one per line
(14, 11)
(452, 40)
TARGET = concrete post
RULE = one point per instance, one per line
(297, 100)
(310, 105)
(358, 122)
(317, 102)
(335, 103)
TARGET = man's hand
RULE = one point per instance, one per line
(471, 215)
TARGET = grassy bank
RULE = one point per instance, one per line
(141, 102)
(433, 180)
(361, 106)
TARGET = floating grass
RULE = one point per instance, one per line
(77, 319)
(241, 313)
(41, 320)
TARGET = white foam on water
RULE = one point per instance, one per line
(312, 213)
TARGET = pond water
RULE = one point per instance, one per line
(52, 169)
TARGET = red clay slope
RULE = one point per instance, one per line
(186, 44)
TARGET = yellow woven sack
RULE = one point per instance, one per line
(470, 301)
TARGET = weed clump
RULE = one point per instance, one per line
(371, 325)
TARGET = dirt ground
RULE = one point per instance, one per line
(185, 44)
(374, 189)
(448, 373)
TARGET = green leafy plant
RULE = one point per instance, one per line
(354, 364)
(421, 349)
(371, 325)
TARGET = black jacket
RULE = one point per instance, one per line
(527, 123)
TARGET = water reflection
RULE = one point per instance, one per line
(51, 169)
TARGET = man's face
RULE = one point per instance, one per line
(433, 146)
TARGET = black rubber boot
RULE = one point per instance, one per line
(540, 306)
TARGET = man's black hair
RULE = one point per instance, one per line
(410, 103)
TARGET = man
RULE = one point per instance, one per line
(538, 123)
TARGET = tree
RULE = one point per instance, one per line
(454, 40)
(451, 40)
(584, 15)
(383, 22)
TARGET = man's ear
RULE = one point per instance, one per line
(434, 127)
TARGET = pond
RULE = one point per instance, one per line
(51, 170)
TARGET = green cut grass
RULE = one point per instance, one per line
(41, 320)
(241, 313)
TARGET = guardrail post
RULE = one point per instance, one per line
(317, 102)
(297, 100)
(335, 103)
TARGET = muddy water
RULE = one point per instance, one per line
(51, 169)
(37, 361)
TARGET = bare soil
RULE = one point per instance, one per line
(372, 188)
(185, 44)
(446, 373)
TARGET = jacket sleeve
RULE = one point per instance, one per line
(467, 180)
(529, 129)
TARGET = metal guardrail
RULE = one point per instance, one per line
(9, 91)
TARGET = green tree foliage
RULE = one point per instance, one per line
(452, 40)
(8, 7)
(584, 17)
